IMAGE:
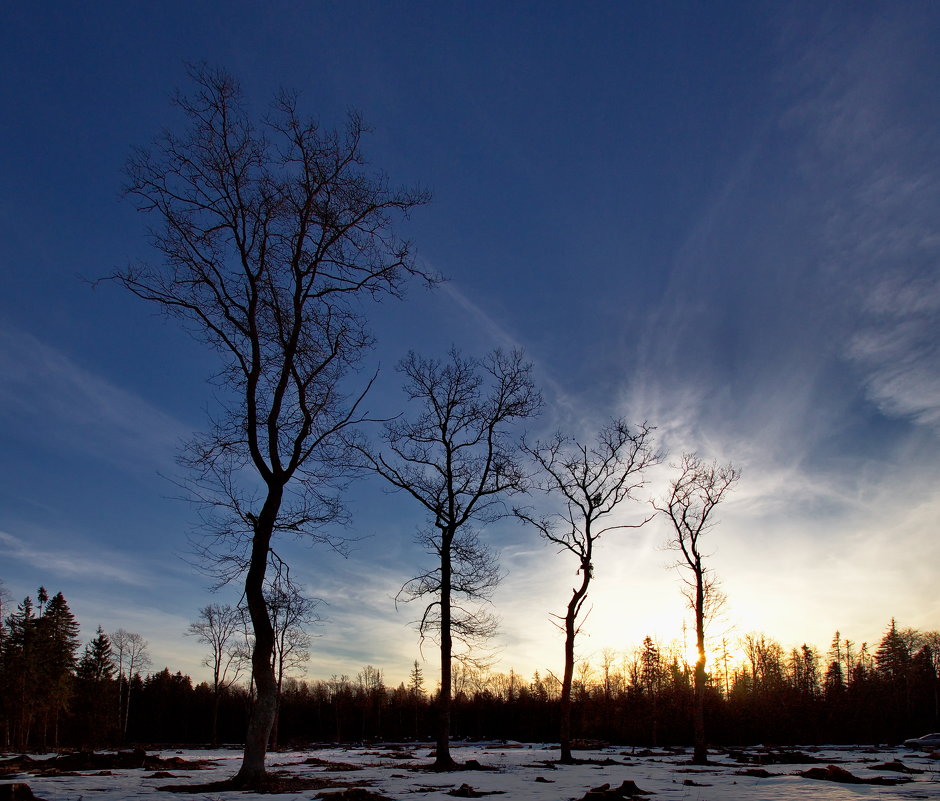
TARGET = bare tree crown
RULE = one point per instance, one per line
(456, 457)
(591, 481)
(691, 502)
(269, 233)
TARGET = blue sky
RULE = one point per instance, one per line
(718, 217)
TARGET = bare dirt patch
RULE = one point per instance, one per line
(84, 761)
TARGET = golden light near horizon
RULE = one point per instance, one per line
(631, 599)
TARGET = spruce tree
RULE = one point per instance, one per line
(97, 662)
(97, 688)
(57, 645)
(20, 672)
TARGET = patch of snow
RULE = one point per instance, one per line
(521, 771)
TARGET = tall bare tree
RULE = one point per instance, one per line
(220, 627)
(689, 507)
(458, 460)
(591, 482)
(271, 233)
(291, 614)
(132, 656)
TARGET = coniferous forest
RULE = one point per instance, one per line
(60, 693)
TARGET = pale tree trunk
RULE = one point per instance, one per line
(127, 707)
(277, 709)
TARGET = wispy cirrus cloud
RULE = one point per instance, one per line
(46, 396)
(799, 333)
(810, 284)
(60, 561)
(563, 405)
(873, 161)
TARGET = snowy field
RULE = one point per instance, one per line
(524, 771)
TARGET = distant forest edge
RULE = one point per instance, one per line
(56, 694)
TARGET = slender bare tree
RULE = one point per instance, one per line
(689, 507)
(591, 482)
(458, 460)
(271, 233)
(291, 614)
(132, 656)
(220, 627)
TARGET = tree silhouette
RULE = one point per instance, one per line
(20, 668)
(95, 673)
(457, 460)
(592, 481)
(270, 234)
(220, 627)
(132, 657)
(689, 507)
(58, 645)
(291, 613)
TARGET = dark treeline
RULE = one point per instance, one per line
(54, 693)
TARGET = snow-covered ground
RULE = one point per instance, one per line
(521, 772)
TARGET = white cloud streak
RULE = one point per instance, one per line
(60, 562)
(48, 397)
(563, 405)
(875, 166)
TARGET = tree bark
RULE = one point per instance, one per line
(215, 717)
(565, 728)
(443, 759)
(700, 754)
(571, 630)
(261, 718)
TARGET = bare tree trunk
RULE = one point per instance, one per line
(700, 755)
(215, 716)
(570, 631)
(443, 759)
(127, 709)
(261, 717)
(692, 499)
(277, 708)
(593, 480)
(565, 729)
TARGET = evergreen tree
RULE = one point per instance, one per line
(4, 719)
(37, 653)
(416, 693)
(833, 683)
(57, 644)
(894, 654)
(97, 662)
(20, 673)
(416, 681)
(98, 689)
(652, 672)
(894, 663)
